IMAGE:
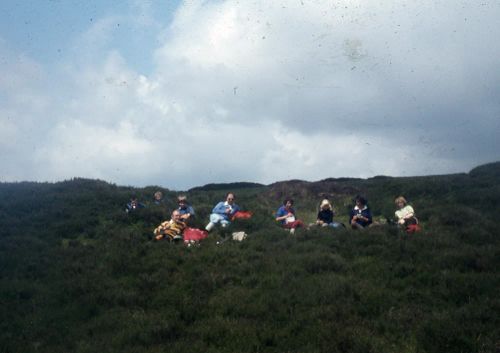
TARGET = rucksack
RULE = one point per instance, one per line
(193, 234)
(413, 228)
(242, 215)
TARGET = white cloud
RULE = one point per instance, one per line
(264, 91)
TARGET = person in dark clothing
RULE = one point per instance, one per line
(325, 215)
(133, 205)
(360, 216)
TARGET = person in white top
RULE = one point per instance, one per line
(405, 213)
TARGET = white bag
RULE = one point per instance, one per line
(239, 236)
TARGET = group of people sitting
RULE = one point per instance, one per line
(360, 216)
(226, 211)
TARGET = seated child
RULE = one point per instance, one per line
(325, 215)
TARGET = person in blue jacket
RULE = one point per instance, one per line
(360, 216)
(286, 216)
(223, 212)
(185, 209)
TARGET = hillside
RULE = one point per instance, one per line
(78, 274)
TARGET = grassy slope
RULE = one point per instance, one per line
(77, 274)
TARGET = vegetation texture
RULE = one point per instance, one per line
(78, 274)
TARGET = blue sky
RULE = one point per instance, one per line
(184, 93)
(46, 30)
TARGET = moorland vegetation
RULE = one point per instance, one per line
(78, 274)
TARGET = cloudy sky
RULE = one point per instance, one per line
(184, 93)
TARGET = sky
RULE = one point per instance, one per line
(185, 93)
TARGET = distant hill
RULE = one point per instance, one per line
(226, 186)
(79, 274)
(491, 170)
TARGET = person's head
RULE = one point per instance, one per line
(230, 198)
(360, 201)
(182, 201)
(133, 202)
(158, 196)
(176, 215)
(400, 202)
(325, 205)
(288, 203)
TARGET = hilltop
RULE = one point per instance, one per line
(79, 274)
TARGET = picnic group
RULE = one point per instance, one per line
(224, 212)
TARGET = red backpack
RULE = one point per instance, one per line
(242, 215)
(413, 228)
(193, 234)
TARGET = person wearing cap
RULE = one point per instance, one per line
(185, 209)
(360, 216)
(405, 213)
(325, 215)
(223, 212)
(171, 230)
(286, 216)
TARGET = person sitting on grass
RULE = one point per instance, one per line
(360, 216)
(171, 230)
(406, 215)
(325, 215)
(158, 198)
(223, 212)
(133, 205)
(286, 215)
(185, 209)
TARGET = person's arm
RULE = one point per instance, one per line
(189, 213)
(235, 208)
(166, 225)
(281, 214)
(367, 216)
(220, 208)
(318, 218)
(409, 212)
